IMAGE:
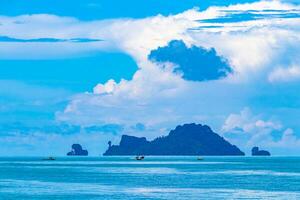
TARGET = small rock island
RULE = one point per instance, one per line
(257, 152)
(188, 139)
(77, 151)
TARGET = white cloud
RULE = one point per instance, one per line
(246, 122)
(262, 6)
(285, 74)
(149, 98)
(138, 36)
(106, 88)
(248, 130)
(288, 141)
(155, 96)
(159, 98)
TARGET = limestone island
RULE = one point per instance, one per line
(257, 152)
(77, 151)
(186, 140)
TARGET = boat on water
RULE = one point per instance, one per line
(199, 158)
(49, 158)
(139, 157)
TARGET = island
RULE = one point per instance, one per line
(188, 139)
(77, 151)
(257, 152)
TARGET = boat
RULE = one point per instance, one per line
(49, 158)
(199, 158)
(139, 157)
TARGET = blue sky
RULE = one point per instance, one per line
(90, 71)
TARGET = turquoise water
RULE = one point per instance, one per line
(154, 178)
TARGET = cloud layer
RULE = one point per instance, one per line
(260, 48)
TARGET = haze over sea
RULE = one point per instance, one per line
(153, 178)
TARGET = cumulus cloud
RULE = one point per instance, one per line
(195, 63)
(155, 96)
(106, 88)
(246, 122)
(159, 98)
(149, 98)
(285, 74)
(248, 130)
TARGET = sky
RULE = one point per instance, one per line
(89, 71)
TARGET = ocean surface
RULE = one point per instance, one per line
(153, 178)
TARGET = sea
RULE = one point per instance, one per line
(163, 177)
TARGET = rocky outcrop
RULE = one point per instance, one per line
(189, 139)
(77, 151)
(257, 152)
